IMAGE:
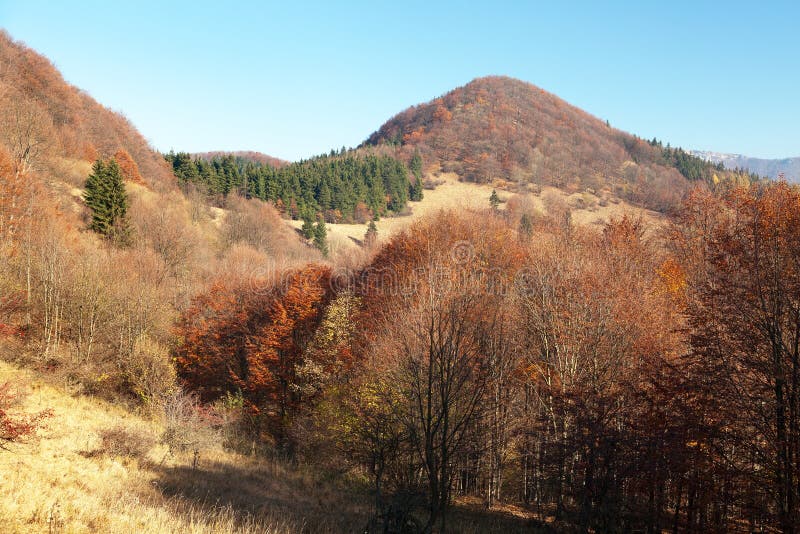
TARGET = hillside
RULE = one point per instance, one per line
(450, 193)
(46, 119)
(60, 280)
(771, 168)
(499, 127)
(95, 467)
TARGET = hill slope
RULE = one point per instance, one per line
(43, 114)
(499, 127)
(98, 468)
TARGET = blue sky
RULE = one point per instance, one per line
(295, 79)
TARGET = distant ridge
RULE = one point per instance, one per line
(769, 168)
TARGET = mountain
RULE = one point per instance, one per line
(45, 119)
(770, 168)
(502, 128)
(244, 155)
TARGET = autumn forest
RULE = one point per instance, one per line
(494, 369)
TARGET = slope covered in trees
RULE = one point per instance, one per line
(41, 114)
(343, 187)
(607, 378)
(502, 128)
(246, 155)
(85, 204)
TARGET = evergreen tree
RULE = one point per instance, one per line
(416, 165)
(415, 190)
(105, 195)
(494, 200)
(371, 237)
(321, 237)
(308, 226)
(331, 182)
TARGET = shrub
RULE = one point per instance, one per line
(189, 426)
(16, 427)
(149, 371)
(121, 440)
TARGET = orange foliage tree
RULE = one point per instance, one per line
(250, 338)
(744, 363)
(128, 167)
(277, 344)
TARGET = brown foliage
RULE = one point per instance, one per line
(121, 440)
(250, 336)
(128, 167)
(741, 254)
(16, 427)
(43, 116)
(501, 128)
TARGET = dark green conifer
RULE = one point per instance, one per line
(321, 237)
(371, 237)
(105, 196)
(494, 200)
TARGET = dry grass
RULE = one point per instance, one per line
(96, 468)
(450, 193)
(65, 481)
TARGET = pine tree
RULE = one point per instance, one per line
(321, 237)
(494, 200)
(415, 190)
(371, 237)
(106, 197)
(308, 226)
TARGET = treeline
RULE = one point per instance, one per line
(694, 168)
(342, 187)
(600, 379)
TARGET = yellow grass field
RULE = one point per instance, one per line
(451, 193)
(64, 481)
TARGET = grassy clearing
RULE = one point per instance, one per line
(95, 467)
(64, 481)
(450, 193)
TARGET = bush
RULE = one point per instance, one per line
(189, 426)
(149, 371)
(16, 427)
(124, 441)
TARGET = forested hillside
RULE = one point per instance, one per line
(344, 187)
(501, 128)
(196, 365)
(45, 118)
(85, 205)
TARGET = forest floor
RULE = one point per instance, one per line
(69, 479)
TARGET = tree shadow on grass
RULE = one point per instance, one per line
(268, 493)
(272, 493)
(474, 519)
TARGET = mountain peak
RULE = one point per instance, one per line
(501, 128)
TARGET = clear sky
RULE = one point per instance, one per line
(293, 79)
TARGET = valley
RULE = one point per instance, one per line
(497, 313)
